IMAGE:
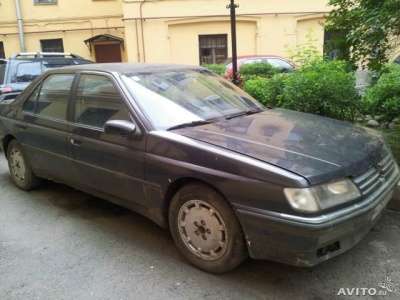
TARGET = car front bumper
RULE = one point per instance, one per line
(306, 242)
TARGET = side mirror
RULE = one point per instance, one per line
(120, 127)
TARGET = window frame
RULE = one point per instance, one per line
(74, 97)
(55, 39)
(39, 86)
(222, 35)
(37, 2)
(2, 50)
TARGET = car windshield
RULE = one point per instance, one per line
(175, 97)
(3, 65)
(279, 64)
(27, 71)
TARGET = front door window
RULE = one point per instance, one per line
(98, 101)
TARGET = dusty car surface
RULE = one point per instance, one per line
(195, 154)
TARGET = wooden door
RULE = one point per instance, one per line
(108, 53)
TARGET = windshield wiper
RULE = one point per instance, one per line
(243, 113)
(190, 124)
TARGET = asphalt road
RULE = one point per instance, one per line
(58, 243)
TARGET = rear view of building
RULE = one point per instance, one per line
(89, 28)
(160, 31)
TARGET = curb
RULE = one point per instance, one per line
(395, 203)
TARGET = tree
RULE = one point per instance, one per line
(364, 30)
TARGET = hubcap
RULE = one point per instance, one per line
(17, 165)
(202, 229)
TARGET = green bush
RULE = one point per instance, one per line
(320, 87)
(250, 71)
(216, 68)
(267, 91)
(392, 137)
(383, 98)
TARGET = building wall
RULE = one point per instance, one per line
(72, 20)
(167, 31)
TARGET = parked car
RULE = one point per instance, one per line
(197, 155)
(282, 64)
(17, 72)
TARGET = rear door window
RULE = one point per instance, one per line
(54, 96)
(98, 101)
(30, 103)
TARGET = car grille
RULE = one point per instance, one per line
(376, 177)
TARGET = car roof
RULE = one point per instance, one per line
(126, 68)
(259, 56)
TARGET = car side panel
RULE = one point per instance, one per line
(169, 161)
(111, 165)
(46, 141)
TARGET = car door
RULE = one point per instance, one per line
(110, 164)
(44, 129)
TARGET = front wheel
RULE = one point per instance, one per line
(20, 169)
(206, 230)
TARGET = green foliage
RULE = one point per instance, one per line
(267, 91)
(321, 87)
(324, 88)
(307, 52)
(392, 137)
(384, 97)
(216, 68)
(366, 28)
(249, 71)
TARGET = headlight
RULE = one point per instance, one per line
(321, 197)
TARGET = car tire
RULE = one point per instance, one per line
(206, 230)
(20, 169)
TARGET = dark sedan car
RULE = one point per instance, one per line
(184, 147)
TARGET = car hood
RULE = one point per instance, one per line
(317, 148)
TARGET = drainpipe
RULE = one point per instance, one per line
(20, 25)
(141, 29)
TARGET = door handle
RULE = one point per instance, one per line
(75, 142)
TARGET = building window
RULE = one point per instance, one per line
(46, 2)
(54, 45)
(2, 53)
(333, 42)
(213, 48)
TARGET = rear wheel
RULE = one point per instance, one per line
(20, 169)
(206, 230)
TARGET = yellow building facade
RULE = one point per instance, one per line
(180, 30)
(162, 31)
(68, 21)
